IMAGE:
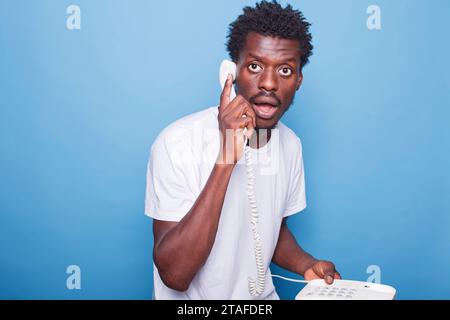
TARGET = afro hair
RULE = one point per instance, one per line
(270, 19)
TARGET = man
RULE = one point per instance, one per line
(197, 179)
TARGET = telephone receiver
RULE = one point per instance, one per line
(227, 67)
(255, 287)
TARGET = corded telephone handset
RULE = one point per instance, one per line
(255, 287)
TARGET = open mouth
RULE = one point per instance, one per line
(265, 110)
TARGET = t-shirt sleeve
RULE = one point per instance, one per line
(296, 200)
(170, 188)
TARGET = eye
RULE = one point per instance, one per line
(285, 72)
(253, 67)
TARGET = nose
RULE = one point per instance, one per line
(268, 81)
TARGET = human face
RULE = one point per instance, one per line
(268, 74)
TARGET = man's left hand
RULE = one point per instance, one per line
(322, 269)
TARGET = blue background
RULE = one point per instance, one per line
(80, 110)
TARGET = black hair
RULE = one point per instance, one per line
(270, 19)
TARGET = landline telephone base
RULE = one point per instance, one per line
(345, 290)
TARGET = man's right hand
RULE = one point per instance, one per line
(232, 123)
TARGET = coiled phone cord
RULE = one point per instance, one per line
(256, 288)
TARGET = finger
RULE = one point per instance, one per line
(237, 106)
(337, 275)
(329, 278)
(245, 122)
(225, 95)
(325, 270)
(250, 127)
(248, 123)
(249, 112)
(329, 275)
(243, 107)
(311, 275)
(233, 106)
(314, 277)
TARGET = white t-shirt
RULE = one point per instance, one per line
(181, 160)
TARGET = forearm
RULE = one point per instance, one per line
(181, 252)
(289, 255)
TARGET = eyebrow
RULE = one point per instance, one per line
(292, 59)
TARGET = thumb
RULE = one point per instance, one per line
(325, 270)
